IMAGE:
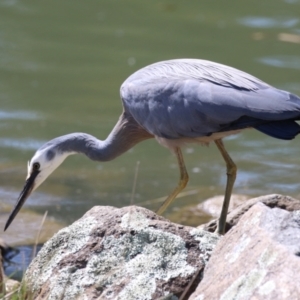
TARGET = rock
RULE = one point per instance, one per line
(275, 200)
(259, 257)
(194, 215)
(188, 215)
(213, 206)
(11, 286)
(4, 249)
(2, 284)
(128, 253)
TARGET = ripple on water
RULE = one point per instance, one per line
(18, 115)
(281, 61)
(266, 22)
(9, 196)
(23, 144)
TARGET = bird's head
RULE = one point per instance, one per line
(42, 164)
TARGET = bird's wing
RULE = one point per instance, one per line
(193, 98)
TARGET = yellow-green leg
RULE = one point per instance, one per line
(231, 175)
(184, 178)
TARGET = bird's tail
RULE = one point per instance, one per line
(284, 130)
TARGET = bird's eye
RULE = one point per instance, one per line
(36, 166)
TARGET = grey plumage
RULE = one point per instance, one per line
(124, 136)
(177, 102)
(192, 98)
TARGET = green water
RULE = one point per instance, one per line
(61, 66)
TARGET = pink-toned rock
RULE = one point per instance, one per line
(259, 257)
(275, 200)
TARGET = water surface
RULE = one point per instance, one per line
(61, 66)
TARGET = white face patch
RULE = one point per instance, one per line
(49, 160)
(28, 168)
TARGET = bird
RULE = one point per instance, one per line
(178, 102)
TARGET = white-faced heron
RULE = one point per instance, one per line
(178, 102)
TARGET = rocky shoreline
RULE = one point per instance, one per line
(132, 253)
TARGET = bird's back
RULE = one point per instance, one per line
(197, 69)
(194, 98)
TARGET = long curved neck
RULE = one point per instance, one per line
(124, 136)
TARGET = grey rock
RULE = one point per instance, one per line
(128, 253)
(259, 257)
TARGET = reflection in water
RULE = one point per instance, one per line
(18, 260)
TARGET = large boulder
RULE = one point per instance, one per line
(128, 253)
(259, 257)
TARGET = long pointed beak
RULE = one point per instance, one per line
(28, 187)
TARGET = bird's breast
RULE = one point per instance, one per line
(203, 140)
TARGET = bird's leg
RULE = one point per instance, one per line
(184, 178)
(231, 175)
